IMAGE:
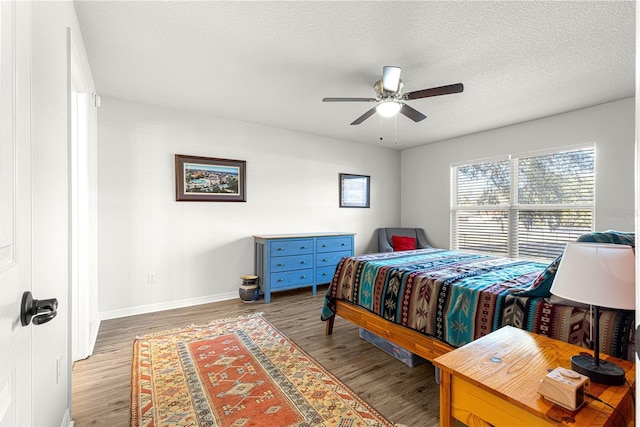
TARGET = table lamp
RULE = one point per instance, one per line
(601, 275)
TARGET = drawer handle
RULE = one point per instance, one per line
(303, 277)
(344, 244)
(324, 246)
(304, 247)
(281, 264)
(325, 260)
(324, 274)
(281, 249)
(280, 280)
(303, 262)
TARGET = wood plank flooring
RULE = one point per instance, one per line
(405, 395)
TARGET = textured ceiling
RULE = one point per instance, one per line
(273, 62)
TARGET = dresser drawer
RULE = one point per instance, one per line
(287, 263)
(325, 274)
(330, 259)
(332, 244)
(292, 278)
(291, 247)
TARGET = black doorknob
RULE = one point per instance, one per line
(40, 311)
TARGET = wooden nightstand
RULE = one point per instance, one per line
(494, 380)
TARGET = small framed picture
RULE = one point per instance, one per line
(354, 191)
(207, 179)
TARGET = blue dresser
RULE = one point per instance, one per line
(290, 261)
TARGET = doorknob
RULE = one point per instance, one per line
(41, 311)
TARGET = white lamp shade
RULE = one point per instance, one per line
(388, 108)
(597, 274)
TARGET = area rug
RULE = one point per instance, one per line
(234, 373)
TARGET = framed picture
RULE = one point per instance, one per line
(207, 179)
(354, 191)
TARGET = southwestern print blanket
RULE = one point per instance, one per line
(458, 297)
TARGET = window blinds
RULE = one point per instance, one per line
(525, 206)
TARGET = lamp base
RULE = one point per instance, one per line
(603, 373)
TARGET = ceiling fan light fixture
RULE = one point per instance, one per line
(388, 108)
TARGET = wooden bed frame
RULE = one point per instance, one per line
(424, 346)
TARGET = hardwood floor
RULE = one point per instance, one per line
(101, 383)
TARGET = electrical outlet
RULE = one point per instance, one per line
(151, 278)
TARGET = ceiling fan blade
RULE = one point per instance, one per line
(364, 117)
(435, 91)
(412, 113)
(391, 78)
(348, 99)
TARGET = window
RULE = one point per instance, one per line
(529, 205)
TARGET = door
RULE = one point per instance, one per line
(15, 213)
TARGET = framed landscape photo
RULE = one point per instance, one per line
(354, 191)
(207, 179)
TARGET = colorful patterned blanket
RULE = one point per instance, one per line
(458, 297)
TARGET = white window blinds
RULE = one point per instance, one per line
(524, 206)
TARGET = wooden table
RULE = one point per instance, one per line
(494, 380)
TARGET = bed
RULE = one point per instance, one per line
(430, 301)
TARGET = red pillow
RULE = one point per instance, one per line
(403, 243)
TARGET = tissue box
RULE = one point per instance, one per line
(399, 353)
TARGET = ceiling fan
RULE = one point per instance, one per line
(390, 99)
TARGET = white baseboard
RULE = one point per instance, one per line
(168, 305)
(66, 420)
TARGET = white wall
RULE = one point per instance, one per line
(199, 250)
(426, 170)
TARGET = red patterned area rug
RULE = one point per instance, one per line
(234, 373)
